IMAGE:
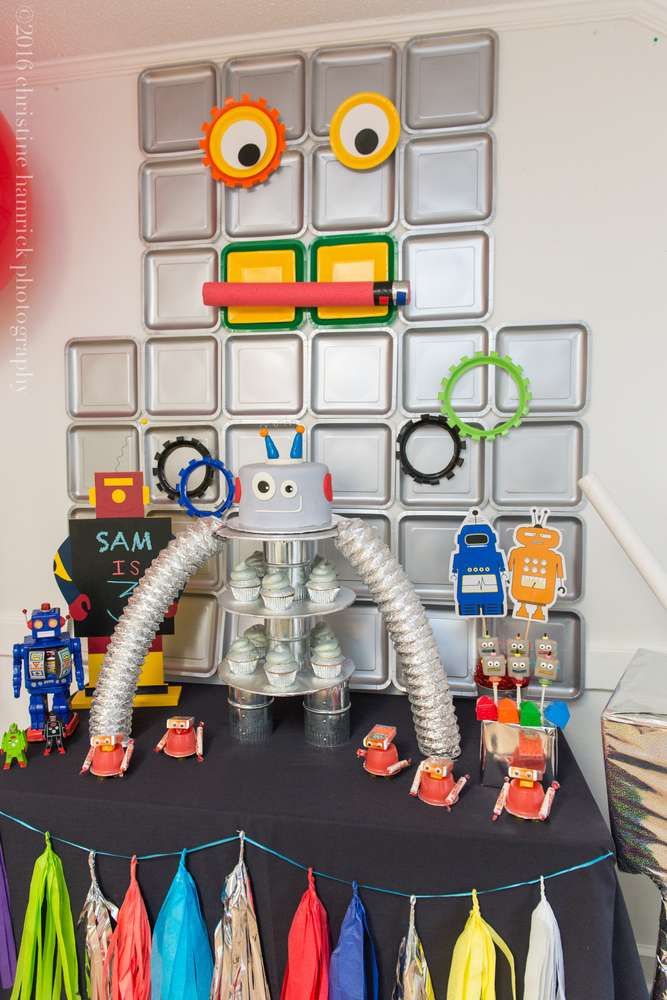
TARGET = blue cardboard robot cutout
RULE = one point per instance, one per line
(478, 570)
(44, 662)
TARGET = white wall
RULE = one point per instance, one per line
(579, 233)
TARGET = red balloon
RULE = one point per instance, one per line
(7, 200)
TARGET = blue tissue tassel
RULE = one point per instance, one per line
(181, 960)
(353, 972)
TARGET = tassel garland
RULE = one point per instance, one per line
(128, 960)
(239, 966)
(473, 972)
(97, 916)
(308, 950)
(181, 962)
(47, 962)
(413, 980)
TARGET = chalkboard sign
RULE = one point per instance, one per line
(109, 557)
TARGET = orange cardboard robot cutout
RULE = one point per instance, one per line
(537, 568)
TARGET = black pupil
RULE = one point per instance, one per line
(366, 141)
(249, 154)
(289, 489)
(263, 486)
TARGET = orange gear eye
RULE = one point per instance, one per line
(244, 142)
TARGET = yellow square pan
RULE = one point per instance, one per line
(353, 262)
(260, 266)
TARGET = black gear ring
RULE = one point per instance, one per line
(168, 449)
(406, 432)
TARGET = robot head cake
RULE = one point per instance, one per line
(284, 495)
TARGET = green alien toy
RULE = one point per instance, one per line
(14, 745)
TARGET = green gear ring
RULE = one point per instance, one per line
(465, 365)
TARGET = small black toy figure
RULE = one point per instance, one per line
(54, 733)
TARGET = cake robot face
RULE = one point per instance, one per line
(284, 495)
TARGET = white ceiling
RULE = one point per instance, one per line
(70, 29)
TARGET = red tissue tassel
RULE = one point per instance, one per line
(129, 956)
(308, 950)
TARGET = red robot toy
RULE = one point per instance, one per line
(181, 739)
(379, 754)
(434, 783)
(522, 794)
(109, 756)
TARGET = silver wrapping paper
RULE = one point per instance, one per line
(423, 673)
(163, 581)
(634, 737)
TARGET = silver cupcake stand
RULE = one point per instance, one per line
(326, 703)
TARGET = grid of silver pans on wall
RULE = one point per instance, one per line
(353, 388)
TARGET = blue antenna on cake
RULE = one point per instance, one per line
(297, 443)
(271, 450)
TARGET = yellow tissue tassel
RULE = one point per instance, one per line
(473, 972)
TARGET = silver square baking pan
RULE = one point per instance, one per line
(264, 374)
(360, 456)
(427, 356)
(554, 360)
(98, 447)
(274, 208)
(539, 464)
(338, 73)
(102, 377)
(448, 179)
(352, 373)
(193, 651)
(449, 80)
(173, 103)
(368, 203)
(173, 281)
(178, 200)
(449, 274)
(279, 78)
(182, 376)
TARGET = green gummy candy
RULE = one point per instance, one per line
(530, 714)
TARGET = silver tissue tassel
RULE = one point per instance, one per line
(423, 673)
(163, 581)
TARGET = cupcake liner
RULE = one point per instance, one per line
(323, 596)
(245, 594)
(242, 667)
(280, 680)
(326, 671)
(278, 602)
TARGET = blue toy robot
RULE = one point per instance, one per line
(478, 570)
(46, 658)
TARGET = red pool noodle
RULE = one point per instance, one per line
(289, 293)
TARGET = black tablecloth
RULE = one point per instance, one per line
(321, 808)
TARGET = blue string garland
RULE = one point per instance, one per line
(241, 836)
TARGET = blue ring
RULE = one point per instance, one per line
(183, 476)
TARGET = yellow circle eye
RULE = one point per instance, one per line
(244, 142)
(38, 623)
(53, 622)
(364, 131)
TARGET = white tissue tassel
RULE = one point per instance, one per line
(545, 975)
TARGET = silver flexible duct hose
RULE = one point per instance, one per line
(111, 711)
(423, 673)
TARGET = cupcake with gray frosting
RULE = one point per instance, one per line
(242, 656)
(322, 583)
(280, 666)
(277, 591)
(256, 634)
(319, 632)
(245, 583)
(326, 658)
